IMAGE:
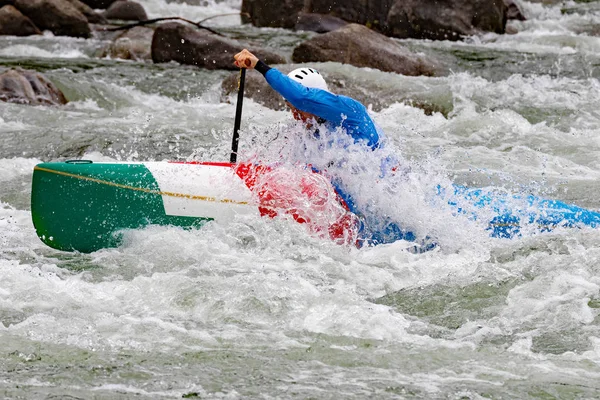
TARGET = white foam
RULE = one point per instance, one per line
(16, 167)
(23, 50)
(160, 8)
(12, 126)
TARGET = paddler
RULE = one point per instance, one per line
(308, 97)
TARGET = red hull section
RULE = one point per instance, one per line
(302, 194)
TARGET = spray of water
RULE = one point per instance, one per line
(384, 186)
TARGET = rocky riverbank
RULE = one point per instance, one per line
(346, 32)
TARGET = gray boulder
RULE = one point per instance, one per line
(431, 19)
(445, 19)
(58, 16)
(372, 13)
(514, 11)
(273, 13)
(29, 87)
(12, 22)
(126, 11)
(284, 13)
(362, 47)
(92, 16)
(186, 45)
(133, 44)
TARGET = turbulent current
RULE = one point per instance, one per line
(260, 308)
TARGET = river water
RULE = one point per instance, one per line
(260, 308)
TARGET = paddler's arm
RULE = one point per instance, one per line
(318, 102)
(340, 110)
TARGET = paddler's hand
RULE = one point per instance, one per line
(245, 59)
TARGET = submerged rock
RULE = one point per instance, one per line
(126, 10)
(29, 87)
(320, 23)
(186, 45)
(133, 44)
(58, 16)
(13, 22)
(362, 47)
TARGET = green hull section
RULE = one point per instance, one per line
(84, 206)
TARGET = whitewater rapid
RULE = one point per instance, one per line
(260, 308)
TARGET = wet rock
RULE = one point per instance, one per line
(133, 44)
(12, 22)
(362, 47)
(372, 13)
(96, 4)
(58, 16)
(273, 13)
(186, 45)
(320, 23)
(511, 30)
(445, 19)
(277, 13)
(29, 87)
(429, 19)
(92, 16)
(513, 11)
(126, 10)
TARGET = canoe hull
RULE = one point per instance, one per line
(86, 206)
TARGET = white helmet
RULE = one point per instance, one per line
(309, 77)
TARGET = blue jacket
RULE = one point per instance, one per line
(337, 110)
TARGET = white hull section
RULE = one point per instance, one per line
(197, 190)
